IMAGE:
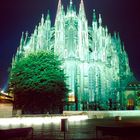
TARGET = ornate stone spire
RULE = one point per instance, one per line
(22, 39)
(48, 15)
(94, 22)
(94, 15)
(100, 20)
(71, 6)
(26, 37)
(71, 2)
(82, 9)
(59, 11)
(59, 7)
(42, 19)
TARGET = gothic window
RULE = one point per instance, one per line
(91, 77)
(78, 76)
(109, 61)
(71, 36)
(86, 81)
(91, 84)
(98, 84)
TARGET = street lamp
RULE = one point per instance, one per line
(2, 91)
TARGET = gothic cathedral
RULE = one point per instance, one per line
(95, 61)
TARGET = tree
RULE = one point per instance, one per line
(38, 83)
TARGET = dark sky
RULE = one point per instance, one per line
(122, 16)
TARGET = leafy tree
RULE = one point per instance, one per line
(38, 83)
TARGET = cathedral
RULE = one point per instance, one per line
(94, 61)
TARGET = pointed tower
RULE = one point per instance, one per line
(59, 30)
(71, 5)
(21, 47)
(94, 22)
(59, 11)
(82, 10)
(83, 32)
(21, 42)
(59, 7)
(100, 20)
(42, 20)
(71, 11)
(26, 38)
(34, 39)
(48, 33)
(40, 35)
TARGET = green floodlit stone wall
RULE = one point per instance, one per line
(95, 61)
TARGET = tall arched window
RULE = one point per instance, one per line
(97, 84)
(91, 84)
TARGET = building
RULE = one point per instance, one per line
(6, 105)
(132, 95)
(95, 61)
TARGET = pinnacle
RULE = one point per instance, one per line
(71, 2)
(59, 5)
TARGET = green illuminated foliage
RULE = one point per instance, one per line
(38, 82)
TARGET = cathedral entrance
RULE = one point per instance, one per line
(130, 104)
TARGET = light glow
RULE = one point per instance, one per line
(71, 97)
(2, 92)
(39, 120)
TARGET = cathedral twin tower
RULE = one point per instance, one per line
(95, 62)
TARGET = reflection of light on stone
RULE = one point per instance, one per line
(32, 120)
(39, 120)
(56, 119)
(77, 118)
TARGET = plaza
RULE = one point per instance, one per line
(78, 129)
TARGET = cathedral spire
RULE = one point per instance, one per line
(106, 31)
(26, 37)
(100, 20)
(82, 9)
(94, 21)
(35, 31)
(59, 6)
(59, 11)
(48, 15)
(22, 39)
(42, 19)
(82, 3)
(71, 5)
(71, 2)
(21, 42)
(94, 16)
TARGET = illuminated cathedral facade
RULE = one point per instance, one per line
(94, 61)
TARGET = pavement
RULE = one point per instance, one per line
(85, 130)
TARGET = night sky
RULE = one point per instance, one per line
(122, 16)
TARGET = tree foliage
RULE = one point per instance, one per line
(38, 82)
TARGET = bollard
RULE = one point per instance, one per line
(118, 118)
(64, 126)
